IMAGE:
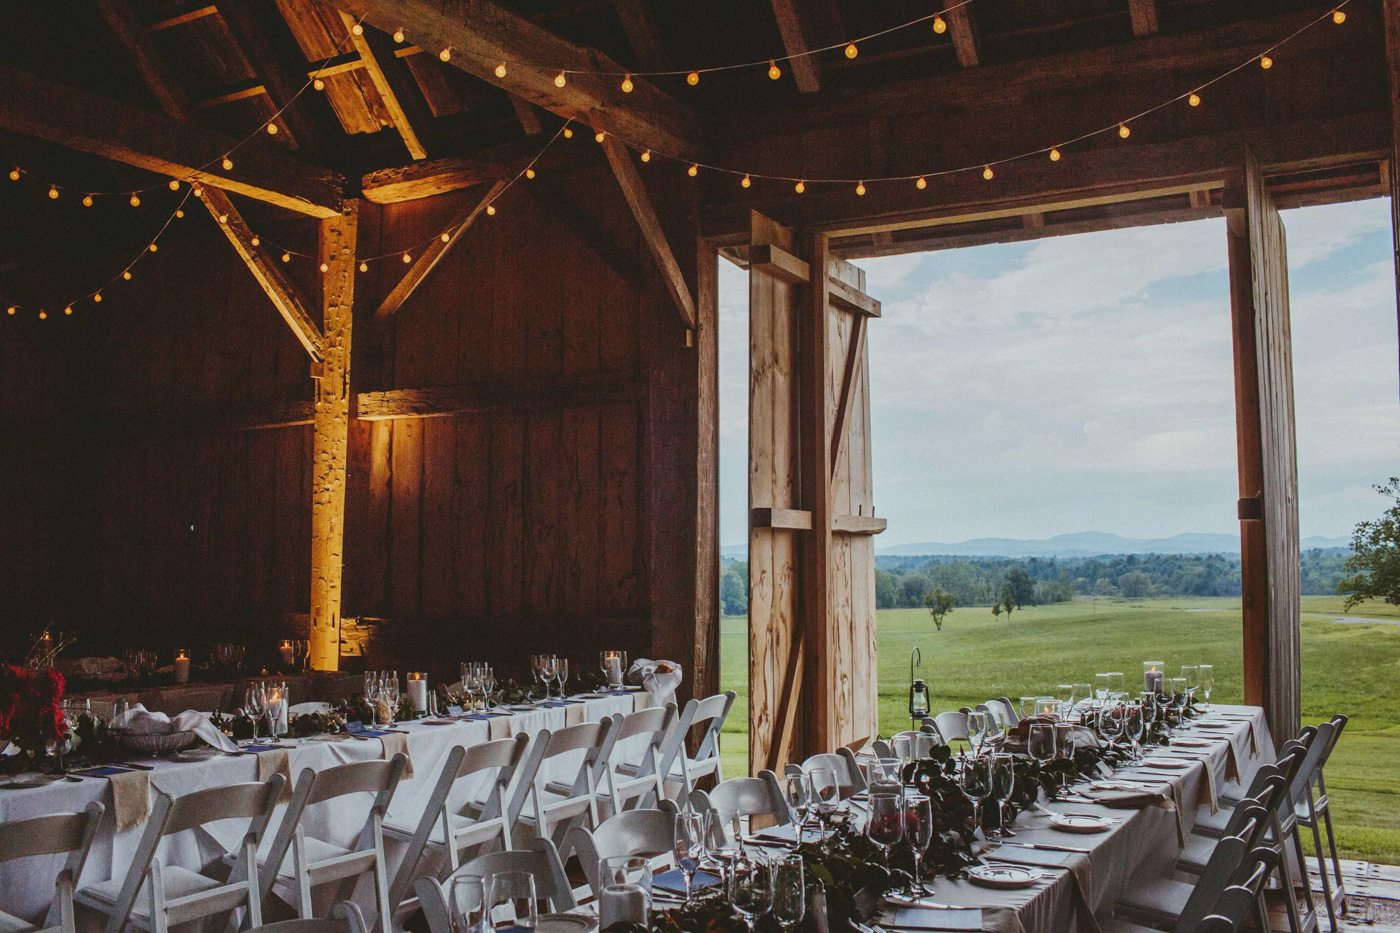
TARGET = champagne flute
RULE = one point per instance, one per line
(561, 671)
(751, 889)
(689, 847)
(1002, 786)
(465, 904)
(975, 781)
(253, 704)
(918, 818)
(488, 685)
(1206, 678)
(789, 890)
(1191, 673)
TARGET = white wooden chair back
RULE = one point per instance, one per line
(1008, 707)
(483, 820)
(741, 799)
(380, 778)
(647, 833)
(951, 726)
(345, 917)
(1001, 713)
(52, 835)
(253, 802)
(557, 805)
(541, 860)
(679, 766)
(849, 778)
(641, 780)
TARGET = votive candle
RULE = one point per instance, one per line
(182, 666)
(1152, 676)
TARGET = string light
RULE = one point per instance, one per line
(921, 183)
(445, 237)
(179, 213)
(272, 129)
(318, 84)
(693, 170)
(1265, 62)
(68, 310)
(223, 218)
(561, 79)
(599, 136)
(745, 182)
(1054, 154)
(227, 163)
(286, 257)
(445, 55)
(860, 188)
(1339, 17)
(800, 187)
(774, 72)
(407, 258)
(851, 50)
(1194, 100)
(154, 247)
(490, 210)
(257, 240)
(364, 267)
(97, 298)
(43, 315)
(14, 174)
(501, 70)
(627, 84)
(988, 174)
(357, 29)
(568, 132)
(11, 310)
(87, 200)
(530, 172)
(53, 193)
(198, 191)
(646, 155)
(174, 184)
(940, 25)
(398, 35)
(325, 267)
(126, 275)
(693, 78)
(1123, 131)
(135, 201)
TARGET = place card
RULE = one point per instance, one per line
(936, 918)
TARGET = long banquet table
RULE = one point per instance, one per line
(26, 886)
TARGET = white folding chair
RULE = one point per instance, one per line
(345, 917)
(471, 824)
(741, 799)
(646, 833)
(51, 835)
(555, 806)
(684, 769)
(541, 860)
(1314, 811)
(640, 780)
(314, 862)
(950, 726)
(849, 779)
(152, 896)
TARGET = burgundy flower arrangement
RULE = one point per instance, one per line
(31, 708)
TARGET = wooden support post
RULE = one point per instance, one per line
(330, 441)
(850, 375)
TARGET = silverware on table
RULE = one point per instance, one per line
(1047, 847)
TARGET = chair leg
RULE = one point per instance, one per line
(1324, 874)
(1336, 862)
(1303, 867)
(1290, 894)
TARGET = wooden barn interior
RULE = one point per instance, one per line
(417, 350)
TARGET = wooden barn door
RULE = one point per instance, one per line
(1268, 469)
(812, 668)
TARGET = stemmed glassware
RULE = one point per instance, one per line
(689, 846)
(465, 905)
(1101, 686)
(253, 702)
(751, 889)
(274, 703)
(1191, 673)
(979, 729)
(1206, 680)
(825, 794)
(789, 890)
(511, 892)
(1115, 684)
(798, 794)
(1003, 785)
(1028, 707)
(1065, 694)
(1040, 742)
(1134, 724)
(561, 673)
(975, 780)
(918, 822)
(488, 685)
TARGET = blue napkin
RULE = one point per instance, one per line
(674, 881)
(551, 704)
(102, 771)
(372, 733)
(260, 748)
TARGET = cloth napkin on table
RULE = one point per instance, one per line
(276, 761)
(659, 678)
(142, 721)
(131, 798)
(394, 743)
(1164, 799)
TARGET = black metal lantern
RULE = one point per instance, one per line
(918, 690)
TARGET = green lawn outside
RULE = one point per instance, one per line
(1352, 668)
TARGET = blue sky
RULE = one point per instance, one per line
(1084, 383)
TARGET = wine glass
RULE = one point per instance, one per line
(1040, 742)
(1206, 679)
(825, 794)
(918, 821)
(1028, 707)
(975, 781)
(253, 701)
(537, 670)
(1083, 696)
(885, 825)
(391, 696)
(1115, 683)
(549, 664)
(1134, 725)
(751, 889)
(626, 869)
(510, 901)
(789, 890)
(274, 702)
(1003, 786)
(488, 685)
(1110, 724)
(1065, 694)
(1101, 682)
(465, 904)
(979, 729)
(1191, 673)
(798, 795)
(903, 747)
(689, 846)
(561, 672)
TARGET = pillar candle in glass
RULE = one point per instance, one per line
(288, 653)
(418, 691)
(614, 663)
(1152, 676)
(182, 665)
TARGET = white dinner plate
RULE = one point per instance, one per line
(1119, 786)
(25, 781)
(198, 754)
(1191, 743)
(1168, 764)
(564, 923)
(1079, 824)
(1002, 876)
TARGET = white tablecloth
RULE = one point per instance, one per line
(26, 886)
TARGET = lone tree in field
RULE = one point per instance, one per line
(1008, 600)
(1022, 586)
(996, 610)
(1374, 563)
(940, 602)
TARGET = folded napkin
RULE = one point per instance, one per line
(142, 721)
(276, 761)
(131, 798)
(396, 743)
(659, 678)
(575, 715)
(936, 918)
(1081, 875)
(499, 728)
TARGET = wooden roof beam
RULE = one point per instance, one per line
(635, 192)
(397, 114)
(134, 136)
(1144, 16)
(439, 176)
(483, 35)
(640, 27)
(134, 36)
(282, 84)
(803, 65)
(963, 32)
(435, 252)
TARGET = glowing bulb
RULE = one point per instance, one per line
(860, 188)
(325, 267)
(693, 171)
(174, 184)
(599, 136)
(445, 55)
(43, 315)
(135, 201)
(223, 218)
(357, 29)
(154, 247)
(445, 237)
(286, 257)
(406, 258)
(627, 84)
(561, 79)
(87, 200)
(198, 191)
(398, 34)
(646, 155)
(364, 267)
(693, 78)
(490, 210)
(14, 174)
(568, 132)
(745, 182)
(1054, 155)
(53, 193)
(774, 72)
(922, 183)
(501, 70)
(988, 174)
(227, 164)
(940, 25)
(97, 298)
(179, 213)
(126, 275)
(800, 187)
(318, 84)
(68, 310)
(1339, 17)
(257, 240)
(1194, 100)
(1123, 131)
(1265, 62)
(851, 50)
(11, 310)
(272, 129)
(530, 172)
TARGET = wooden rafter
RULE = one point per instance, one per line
(181, 19)
(242, 92)
(438, 176)
(515, 395)
(377, 76)
(99, 126)
(284, 296)
(634, 190)
(804, 66)
(483, 35)
(640, 27)
(1144, 16)
(963, 32)
(525, 113)
(435, 252)
(281, 84)
(168, 92)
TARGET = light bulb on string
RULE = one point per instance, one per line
(198, 191)
(227, 163)
(1054, 154)
(43, 315)
(693, 78)
(860, 188)
(364, 267)
(561, 79)
(14, 174)
(988, 174)
(530, 172)
(490, 210)
(223, 218)
(126, 275)
(445, 55)
(1123, 131)
(1339, 17)
(398, 35)
(500, 71)
(257, 240)
(53, 193)
(406, 258)
(774, 72)
(154, 247)
(87, 200)
(646, 155)
(627, 85)
(921, 183)
(272, 129)
(97, 298)
(800, 187)
(286, 257)
(940, 25)
(445, 237)
(68, 310)
(599, 136)
(1194, 99)
(358, 29)
(693, 170)
(745, 181)
(174, 184)
(1265, 62)
(11, 310)
(325, 267)
(179, 213)
(318, 84)
(568, 132)
(135, 200)
(851, 50)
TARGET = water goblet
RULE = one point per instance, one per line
(1065, 694)
(1003, 788)
(689, 846)
(561, 673)
(1040, 742)
(1115, 683)
(789, 890)
(1101, 686)
(751, 889)
(979, 729)
(798, 796)
(975, 781)
(918, 822)
(825, 794)
(510, 901)
(253, 700)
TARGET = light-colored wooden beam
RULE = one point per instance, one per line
(283, 294)
(250, 89)
(120, 132)
(339, 65)
(803, 66)
(850, 374)
(635, 192)
(483, 36)
(432, 177)
(790, 519)
(282, 83)
(435, 252)
(1144, 16)
(499, 395)
(331, 436)
(851, 299)
(963, 32)
(525, 113)
(858, 524)
(779, 263)
(395, 107)
(181, 19)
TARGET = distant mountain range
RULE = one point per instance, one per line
(1078, 544)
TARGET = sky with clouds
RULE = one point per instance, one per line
(1084, 383)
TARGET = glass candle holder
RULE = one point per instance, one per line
(1153, 676)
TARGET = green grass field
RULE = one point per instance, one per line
(1352, 668)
